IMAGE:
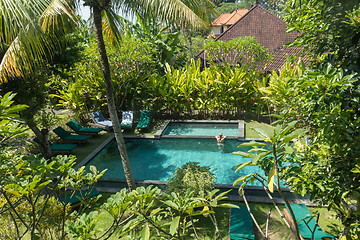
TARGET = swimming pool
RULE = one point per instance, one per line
(153, 159)
(211, 129)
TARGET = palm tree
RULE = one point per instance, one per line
(28, 30)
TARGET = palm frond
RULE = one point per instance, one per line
(170, 11)
(112, 25)
(26, 43)
(55, 10)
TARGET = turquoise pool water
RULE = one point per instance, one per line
(158, 159)
(201, 129)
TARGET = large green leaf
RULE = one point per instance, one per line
(243, 154)
(228, 205)
(287, 129)
(294, 134)
(242, 179)
(261, 133)
(174, 225)
(251, 144)
(247, 163)
(145, 233)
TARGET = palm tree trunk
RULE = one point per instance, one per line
(110, 96)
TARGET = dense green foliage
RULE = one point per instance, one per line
(275, 156)
(214, 88)
(325, 101)
(191, 176)
(81, 87)
(241, 51)
(138, 86)
(330, 30)
(31, 185)
(10, 123)
(144, 214)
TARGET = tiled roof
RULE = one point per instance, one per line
(280, 55)
(268, 30)
(229, 18)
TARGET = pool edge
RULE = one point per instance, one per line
(93, 153)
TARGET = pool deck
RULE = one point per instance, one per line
(254, 194)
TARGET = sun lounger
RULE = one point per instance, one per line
(306, 223)
(100, 119)
(66, 136)
(74, 201)
(127, 119)
(59, 148)
(83, 130)
(145, 117)
(241, 224)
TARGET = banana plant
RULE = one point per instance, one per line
(272, 155)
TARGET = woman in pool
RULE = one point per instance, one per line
(220, 138)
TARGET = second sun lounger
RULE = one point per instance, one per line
(83, 130)
(101, 120)
(306, 223)
(241, 224)
(66, 136)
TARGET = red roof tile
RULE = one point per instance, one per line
(229, 18)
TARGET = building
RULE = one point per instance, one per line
(225, 20)
(269, 31)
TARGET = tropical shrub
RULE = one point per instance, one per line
(326, 102)
(214, 88)
(275, 156)
(83, 89)
(144, 214)
(332, 37)
(236, 52)
(191, 176)
(29, 188)
(49, 226)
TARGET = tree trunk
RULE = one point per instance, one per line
(110, 97)
(43, 138)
